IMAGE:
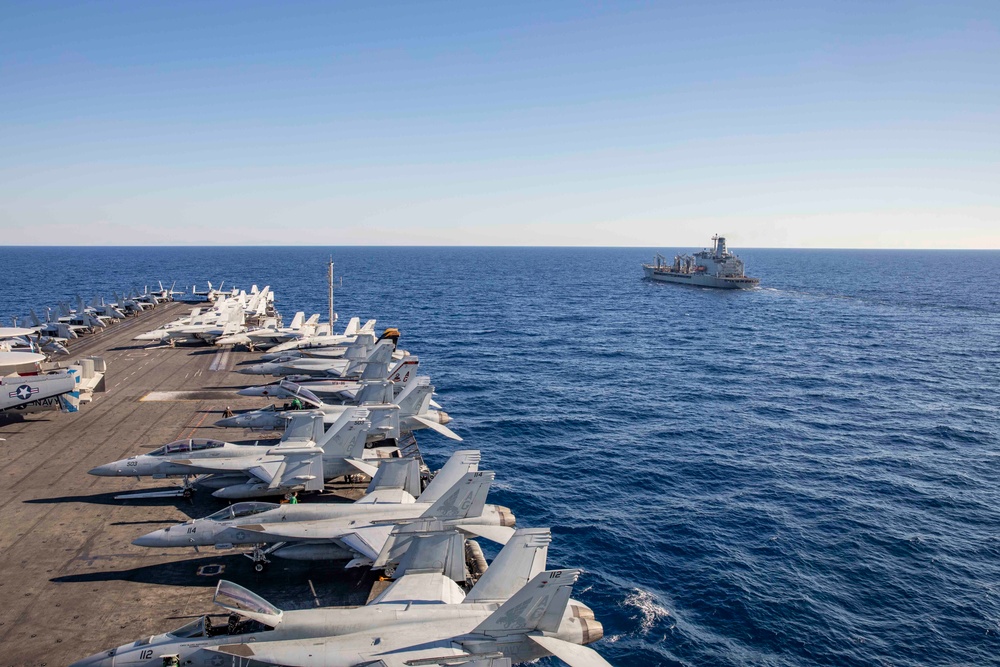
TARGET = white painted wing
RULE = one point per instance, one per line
(367, 541)
(573, 655)
(385, 497)
(366, 468)
(321, 652)
(498, 534)
(435, 426)
(425, 587)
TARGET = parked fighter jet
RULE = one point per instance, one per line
(357, 532)
(225, 318)
(19, 339)
(304, 459)
(56, 330)
(344, 362)
(414, 404)
(269, 336)
(334, 391)
(319, 340)
(210, 295)
(422, 618)
(103, 309)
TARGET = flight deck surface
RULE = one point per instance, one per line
(71, 581)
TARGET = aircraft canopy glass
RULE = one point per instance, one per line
(238, 599)
(240, 510)
(183, 446)
(195, 628)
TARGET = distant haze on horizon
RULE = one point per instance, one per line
(777, 124)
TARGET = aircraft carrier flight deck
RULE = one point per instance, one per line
(71, 581)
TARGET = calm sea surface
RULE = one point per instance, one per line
(803, 474)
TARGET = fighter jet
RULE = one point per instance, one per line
(210, 295)
(304, 459)
(20, 339)
(357, 532)
(347, 361)
(422, 618)
(270, 335)
(334, 391)
(414, 403)
(319, 340)
(225, 318)
(103, 309)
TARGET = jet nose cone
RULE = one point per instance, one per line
(157, 538)
(106, 470)
(104, 659)
(229, 422)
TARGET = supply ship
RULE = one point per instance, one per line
(709, 268)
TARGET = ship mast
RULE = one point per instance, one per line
(330, 280)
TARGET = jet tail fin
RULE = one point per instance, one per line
(376, 366)
(522, 559)
(465, 498)
(352, 327)
(461, 462)
(374, 393)
(415, 399)
(346, 437)
(402, 474)
(539, 605)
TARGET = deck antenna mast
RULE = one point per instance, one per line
(330, 279)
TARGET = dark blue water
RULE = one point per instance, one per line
(804, 474)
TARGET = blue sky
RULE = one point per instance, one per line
(779, 124)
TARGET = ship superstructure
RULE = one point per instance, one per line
(715, 267)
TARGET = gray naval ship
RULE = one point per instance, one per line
(709, 268)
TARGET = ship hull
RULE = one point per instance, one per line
(699, 280)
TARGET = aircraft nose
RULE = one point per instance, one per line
(106, 470)
(229, 422)
(157, 538)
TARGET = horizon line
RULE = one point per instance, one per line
(575, 247)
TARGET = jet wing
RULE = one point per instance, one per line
(574, 655)
(367, 541)
(275, 470)
(317, 653)
(424, 587)
(433, 657)
(385, 497)
(498, 534)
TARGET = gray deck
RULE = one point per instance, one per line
(71, 583)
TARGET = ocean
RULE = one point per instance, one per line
(801, 474)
